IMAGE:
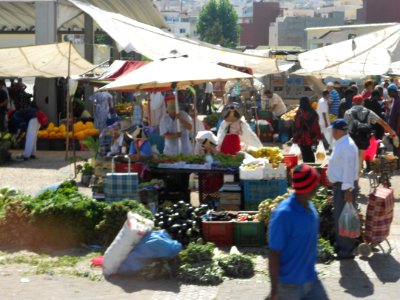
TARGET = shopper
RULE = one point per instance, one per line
(373, 104)
(394, 120)
(343, 173)
(293, 237)
(360, 120)
(175, 129)
(346, 103)
(28, 125)
(368, 87)
(334, 99)
(323, 116)
(209, 92)
(306, 129)
(3, 106)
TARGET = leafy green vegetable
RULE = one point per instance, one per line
(197, 253)
(236, 266)
(209, 274)
(325, 251)
(227, 160)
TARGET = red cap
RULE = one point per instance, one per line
(305, 179)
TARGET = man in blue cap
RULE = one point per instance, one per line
(343, 173)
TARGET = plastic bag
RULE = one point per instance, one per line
(155, 244)
(295, 149)
(131, 233)
(349, 223)
(321, 153)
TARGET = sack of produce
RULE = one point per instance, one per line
(131, 233)
(321, 153)
(349, 223)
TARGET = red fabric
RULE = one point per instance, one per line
(231, 144)
(379, 215)
(306, 128)
(370, 153)
(128, 67)
(42, 118)
(97, 261)
(305, 179)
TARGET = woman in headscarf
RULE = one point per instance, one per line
(306, 129)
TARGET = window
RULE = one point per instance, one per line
(182, 30)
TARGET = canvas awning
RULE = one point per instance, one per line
(370, 54)
(120, 68)
(182, 70)
(131, 35)
(52, 60)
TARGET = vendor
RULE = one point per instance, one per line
(277, 106)
(140, 145)
(206, 143)
(175, 129)
(235, 134)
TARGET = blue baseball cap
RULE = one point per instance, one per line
(340, 124)
(393, 87)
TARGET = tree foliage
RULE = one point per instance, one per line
(218, 23)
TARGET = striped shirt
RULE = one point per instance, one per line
(335, 101)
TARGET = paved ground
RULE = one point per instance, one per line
(374, 278)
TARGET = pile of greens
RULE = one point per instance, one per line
(62, 218)
(326, 253)
(212, 119)
(200, 266)
(227, 160)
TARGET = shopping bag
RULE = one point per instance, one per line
(295, 149)
(349, 223)
(321, 153)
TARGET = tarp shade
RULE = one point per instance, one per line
(120, 68)
(370, 54)
(42, 61)
(184, 71)
(131, 35)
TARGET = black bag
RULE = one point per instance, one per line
(361, 131)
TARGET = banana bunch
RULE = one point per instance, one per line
(291, 114)
(273, 154)
(253, 166)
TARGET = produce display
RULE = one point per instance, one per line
(273, 154)
(227, 160)
(212, 120)
(81, 130)
(189, 159)
(123, 108)
(326, 252)
(7, 141)
(201, 266)
(182, 221)
(253, 166)
(290, 115)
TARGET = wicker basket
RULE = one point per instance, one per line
(379, 165)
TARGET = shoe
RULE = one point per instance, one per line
(22, 157)
(344, 257)
(33, 156)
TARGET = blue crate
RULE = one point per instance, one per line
(258, 190)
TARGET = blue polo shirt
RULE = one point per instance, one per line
(293, 231)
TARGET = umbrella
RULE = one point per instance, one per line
(182, 70)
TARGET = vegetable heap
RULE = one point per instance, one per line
(200, 266)
(273, 154)
(227, 160)
(182, 221)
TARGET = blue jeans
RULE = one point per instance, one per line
(312, 290)
(344, 245)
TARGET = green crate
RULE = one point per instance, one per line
(249, 234)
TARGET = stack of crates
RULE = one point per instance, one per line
(255, 191)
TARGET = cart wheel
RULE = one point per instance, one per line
(364, 250)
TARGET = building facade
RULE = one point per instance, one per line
(379, 11)
(256, 31)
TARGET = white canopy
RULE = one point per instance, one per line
(52, 60)
(184, 71)
(131, 35)
(370, 54)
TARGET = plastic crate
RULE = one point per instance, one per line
(258, 190)
(218, 232)
(249, 234)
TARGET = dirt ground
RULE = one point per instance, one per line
(376, 277)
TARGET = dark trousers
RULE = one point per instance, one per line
(344, 245)
(2, 121)
(308, 154)
(207, 104)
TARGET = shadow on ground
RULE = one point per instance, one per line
(386, 267)
(131, 285)
(354, 281)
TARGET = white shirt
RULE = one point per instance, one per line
(343, 164)
(209, 88)
(323, 108)
(280, 109)
(169, 125)
(199, 127)
(157, 108)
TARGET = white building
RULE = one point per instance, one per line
(181, 23)
(318, 37)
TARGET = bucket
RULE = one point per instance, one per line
(290, 160)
